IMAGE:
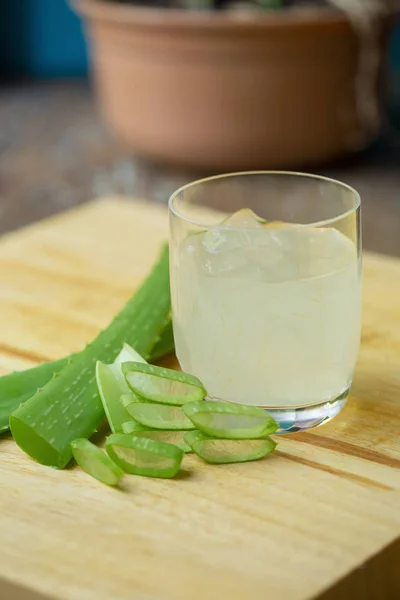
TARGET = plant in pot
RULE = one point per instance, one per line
(227, 85)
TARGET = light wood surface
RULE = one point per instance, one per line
(320, 518)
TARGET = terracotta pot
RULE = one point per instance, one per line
(215, 91)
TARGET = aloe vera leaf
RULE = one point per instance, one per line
(165, 386)
(142, 456)
(230, 421)
(95, 462)
(7, 407)
(165, 345)
(223, 451)
(69, 406)
(17, 387)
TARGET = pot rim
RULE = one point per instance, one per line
(123, 14)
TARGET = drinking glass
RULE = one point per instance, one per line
(266, 291)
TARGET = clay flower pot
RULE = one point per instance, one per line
(215, 90)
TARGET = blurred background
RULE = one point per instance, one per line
(137, 98)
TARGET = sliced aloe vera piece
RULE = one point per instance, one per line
(110, 394)
(159, 416)
(230, 421)
(112, 386)
(127, 399)
(133, 427)
(127, 354)
(175, 437)
(95, 462)
(162, 385)
(142, 456)
(222, 451)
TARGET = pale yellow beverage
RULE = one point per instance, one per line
(268, 315)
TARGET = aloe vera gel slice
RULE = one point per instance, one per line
(222, 451)
(127, 354)
(110, 394)
(230, 421)
(95, 462)
(166, 386)
(133, 427)
(142, 456)
(162, 435)
(127, 399)
(159, 416)
(112, 387)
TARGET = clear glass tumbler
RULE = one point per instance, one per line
(266, 291)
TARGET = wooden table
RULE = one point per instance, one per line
(55, 154)
(320, 518)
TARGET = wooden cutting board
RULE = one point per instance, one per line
(319, 518)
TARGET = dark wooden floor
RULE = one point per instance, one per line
(55, 153)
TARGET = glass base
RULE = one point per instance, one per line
(292, 420)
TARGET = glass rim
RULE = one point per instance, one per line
(309, 176)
